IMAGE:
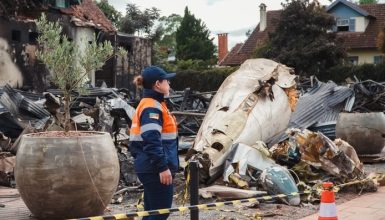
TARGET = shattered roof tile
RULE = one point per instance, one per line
(89, 13)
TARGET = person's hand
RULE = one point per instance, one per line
(165, 177)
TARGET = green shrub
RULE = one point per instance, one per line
(338, 74)
(206, 80)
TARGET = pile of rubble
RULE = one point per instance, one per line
(262, 132)
(259, 135)
(97, 109)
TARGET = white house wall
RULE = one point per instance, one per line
(365, 56)
(81, 36)
(361, 23)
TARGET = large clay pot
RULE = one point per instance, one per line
(71, 175)
(364, 131)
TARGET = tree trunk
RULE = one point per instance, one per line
(67, 116)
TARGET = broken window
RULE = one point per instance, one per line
(16, 35)
(33, 37)
(342, 25)
(345, 25)
(353, 60)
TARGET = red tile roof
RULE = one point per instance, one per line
(367, 39)
(89, 14)
(256, 39)
(231, 56)
(352, 40)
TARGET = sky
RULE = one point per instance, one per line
(234, 17)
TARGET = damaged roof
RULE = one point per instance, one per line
(89, 14)
(85, 14)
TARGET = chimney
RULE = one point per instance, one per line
(262, 14)
(222, 46)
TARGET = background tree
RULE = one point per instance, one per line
(165, 42)
(249, 32)
(362, 2)
(139, 21)
(110, 12)
(193, 39)
(303, 39)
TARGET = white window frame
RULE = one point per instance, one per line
(342, 22)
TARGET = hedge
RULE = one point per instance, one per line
(204, 81)
(211, 79)
(338, 74)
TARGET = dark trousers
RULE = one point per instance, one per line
(156, 194)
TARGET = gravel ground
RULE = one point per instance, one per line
(243, 211)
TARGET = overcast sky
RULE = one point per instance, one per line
(221, 16)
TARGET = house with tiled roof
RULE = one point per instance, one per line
(81, 21)
(358, 25)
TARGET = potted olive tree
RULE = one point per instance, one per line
(67, 174)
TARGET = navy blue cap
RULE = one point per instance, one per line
(153, 73)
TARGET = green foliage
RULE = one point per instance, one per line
(192, 64)
(139, 21)
(207, 80)
(363, 72)
(165, 44)
(193, 40)
(249, 32)
(302, 39)
(68, 65)
(110, 12)
(364, 2)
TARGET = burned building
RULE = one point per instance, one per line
(81, 20)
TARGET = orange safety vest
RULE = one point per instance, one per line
(168, 133)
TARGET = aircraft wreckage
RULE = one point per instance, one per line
(253, 105)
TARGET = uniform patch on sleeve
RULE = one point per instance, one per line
(154, 116)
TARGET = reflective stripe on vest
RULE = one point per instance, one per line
(149, 127)
(135, 137)
(169, 136)
(168, 129)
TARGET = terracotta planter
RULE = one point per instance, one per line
(364, 131)
(62, 177)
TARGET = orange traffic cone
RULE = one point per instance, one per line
(328, 209)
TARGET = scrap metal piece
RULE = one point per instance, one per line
(274, 178)
(7, 165)
(277, 180)
(318, 109)
(225, 192)
(320, 152)
(237, 180)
